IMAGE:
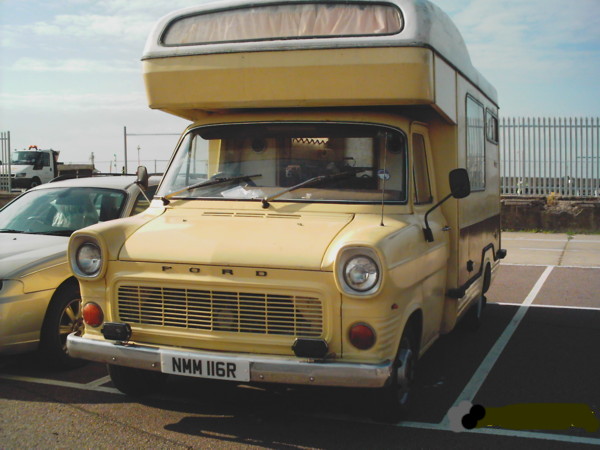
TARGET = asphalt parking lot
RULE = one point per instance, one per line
(534, 360)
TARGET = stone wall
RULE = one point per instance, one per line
(559, 214)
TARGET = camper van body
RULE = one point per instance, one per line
(299, 234)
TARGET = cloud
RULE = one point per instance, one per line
(527, 40)
(73, 65)
(69, 102)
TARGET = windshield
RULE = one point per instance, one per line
(26, 158)
(300, 162)
(60, 211)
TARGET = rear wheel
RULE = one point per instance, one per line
(473, 317)
(136, 382)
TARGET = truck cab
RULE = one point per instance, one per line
(330, 212)
(32, 167)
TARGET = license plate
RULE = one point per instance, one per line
(192, 366)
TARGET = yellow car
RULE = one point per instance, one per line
(39, 297)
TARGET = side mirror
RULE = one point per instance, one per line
(460, 186)
(142, 177)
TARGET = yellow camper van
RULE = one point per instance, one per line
(331, 211)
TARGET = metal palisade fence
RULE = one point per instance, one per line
(5, 175)
(541, 156)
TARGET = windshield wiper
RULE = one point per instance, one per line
(314, 180)
(165, 198)
(12, 231)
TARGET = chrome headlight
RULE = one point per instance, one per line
(89, 259)
(359, 271)
(86, 256)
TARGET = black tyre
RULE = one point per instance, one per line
(35, 181)
(136, 382)
(473, 317)
(393, 400)
(63, 317)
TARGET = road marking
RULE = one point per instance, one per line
(99, 381)
(478, 378)
(546, 265)
(585, 308)
(538, 249)
(67, 384)
(551, 250)
(416, 425)
(484, 431)
(553, 240)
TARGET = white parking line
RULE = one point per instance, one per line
(485, 431)
(476, 381)
(546, 265)
(94, 386)
(585, 308)
(67, 384)
(99, 381)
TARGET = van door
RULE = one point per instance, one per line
(424, 196)
(45, 173)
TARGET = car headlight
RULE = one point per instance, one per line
(20, 175)
(359, 271)
(89, 259)
(86, 256)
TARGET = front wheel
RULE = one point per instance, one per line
(63, 317)
(35, 182)
(136, 382)
(393, 400)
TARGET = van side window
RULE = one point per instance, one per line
(491, 122)
(475, 144)
(421, 171)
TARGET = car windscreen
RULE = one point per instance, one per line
(61, 211)
(299, 162)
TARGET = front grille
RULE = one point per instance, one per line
(215, 310)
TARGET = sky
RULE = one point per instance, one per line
(71, 76)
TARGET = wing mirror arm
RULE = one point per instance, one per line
(460, 187)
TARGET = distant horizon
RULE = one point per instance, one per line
(71, 77)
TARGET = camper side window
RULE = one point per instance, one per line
(475, 144)
(420, 171)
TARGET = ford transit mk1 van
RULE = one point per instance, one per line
(332, 209)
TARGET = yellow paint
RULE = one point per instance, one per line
(297, 78)
(541, 416)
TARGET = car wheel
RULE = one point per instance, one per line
(35, 182)
(393, 400)
(136, 382)
(63, 317)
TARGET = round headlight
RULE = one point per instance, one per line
(361, 273)
(89, 259)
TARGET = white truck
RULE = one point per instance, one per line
(32, 167)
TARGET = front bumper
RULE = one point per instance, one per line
(263, 368)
